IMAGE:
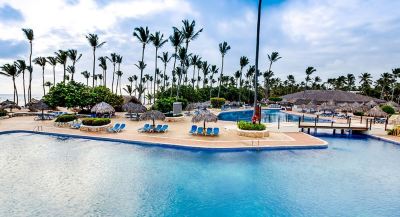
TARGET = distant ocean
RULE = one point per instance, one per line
(20, 98)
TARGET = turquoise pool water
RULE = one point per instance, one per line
(53, 176)
(267, 116)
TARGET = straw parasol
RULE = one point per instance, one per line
(7, 102)
(133, 108)
(102, 108)
(205, 116)
(371, 103)
(40, 105)
(11, 106)
(152, 115)
(376, 112)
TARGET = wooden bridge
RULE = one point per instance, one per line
(349, 126)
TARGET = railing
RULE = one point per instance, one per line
(38, 128)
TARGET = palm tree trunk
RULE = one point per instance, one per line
(54, 75)
(112, 84)
(44, 91)
(64, 74)
(194, 73)
(257, 51)
(198, 75)
(23, 84)
(87, 81)
(141, 71)
(240, 82)
(155, 77)
(30, 73)
(120, 86)
(94, 65)
(15, 91)
(165, 69)
(220, 77)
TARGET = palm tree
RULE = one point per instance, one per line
(176, 40)
(188, 32)
(62, 57)
(194, 61)
(30, 36)
(143, 35)
(205, 67)
(128, 89)
(158, 41)
(100, 76)
(119, 61)
(95, 77)
(71, 70)
(41, 61)
(103, 65)
(165, 58)
(93, 40)
(223, 49)
(48, 85)
(351, 81)
(10, 70)
(86, 75)
(385, 79)
(119, 75)
(366, 81)
(74, 57)
(309, 71)
(135, 78)
(267, 80)
(271, 58)
(292, 82)
(396, 75)
(21, 66)
(53, 62)
(113, 60)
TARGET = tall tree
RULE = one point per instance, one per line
(41, 61)
(113, 60)
(94, 42)
(71, 70)
(271, 58)
(74, 57)
(223, 49)
(351, 81)
(143, 35)
(30, 36)
(194, 61)
(86, 75)
(165, 58)
(396, 75)
(309, 71)
(176, 40)
(158, 41)
(53, 62)
(103, 66)
(366, 81)
(188, 32)
(119, 61)
(62, 57)
(10, 70)
(244, 61)
(21, 66)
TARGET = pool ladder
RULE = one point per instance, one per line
(255, 142)
(38, 128)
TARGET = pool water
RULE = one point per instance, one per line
(267, 116)
(54, 176)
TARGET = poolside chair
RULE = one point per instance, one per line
(121, 127)
(193, 130)
(216, 131)
(158, 128)
(114, 128)
(209, 131)
(164, 128)
(145, 128)
(200, 131)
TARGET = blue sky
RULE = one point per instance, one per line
(336, 37)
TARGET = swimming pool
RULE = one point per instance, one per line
(267, 115)
(57, 176)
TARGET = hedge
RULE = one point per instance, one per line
(66, 118)
(217, 102)
(245, 125)
(358, 113)
(388, 109)
(3, 113)
(275, 99)
(96, 121)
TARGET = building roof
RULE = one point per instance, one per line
(338, 96)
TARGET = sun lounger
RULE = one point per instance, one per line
(193, 130)
(121, 127)
(200, 130)
(145, 128)
(158, 128)
(216, 131)
(164, 128)
(209, 131)
(114, 128)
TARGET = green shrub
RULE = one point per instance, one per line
(170, 114)
(275, 99)
(358, 113)
(3, 113)
(66, 118)
(245, 125)
(388, 109)
(165, 105)
(96, 121)
(217, 102)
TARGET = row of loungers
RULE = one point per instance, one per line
(147, 128)
(118, 127)
(204, 132)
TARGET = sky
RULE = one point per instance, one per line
(334, 36)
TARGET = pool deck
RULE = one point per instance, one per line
(178, 135)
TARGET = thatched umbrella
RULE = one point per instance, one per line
(11, 106)
(103, 108)
(376, 112)
(40, 105)
(7, 102)
(205, 116)
(152, 115)
(133, 108)
(371, 103)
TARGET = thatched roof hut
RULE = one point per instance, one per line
(134, 108)
(152, 115)
(7, 102)
(103, 108)
(10, 106)
(321, 96)
(371, 103)
(205, 116)
(40, 105)
(376, 112)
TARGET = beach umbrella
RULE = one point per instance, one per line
(40, 105)
(134, 108)
(11, 106)
(205, 116)
(7, 102)
(152, 115)
(102, 108)
(376, 112)
(371, 103)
